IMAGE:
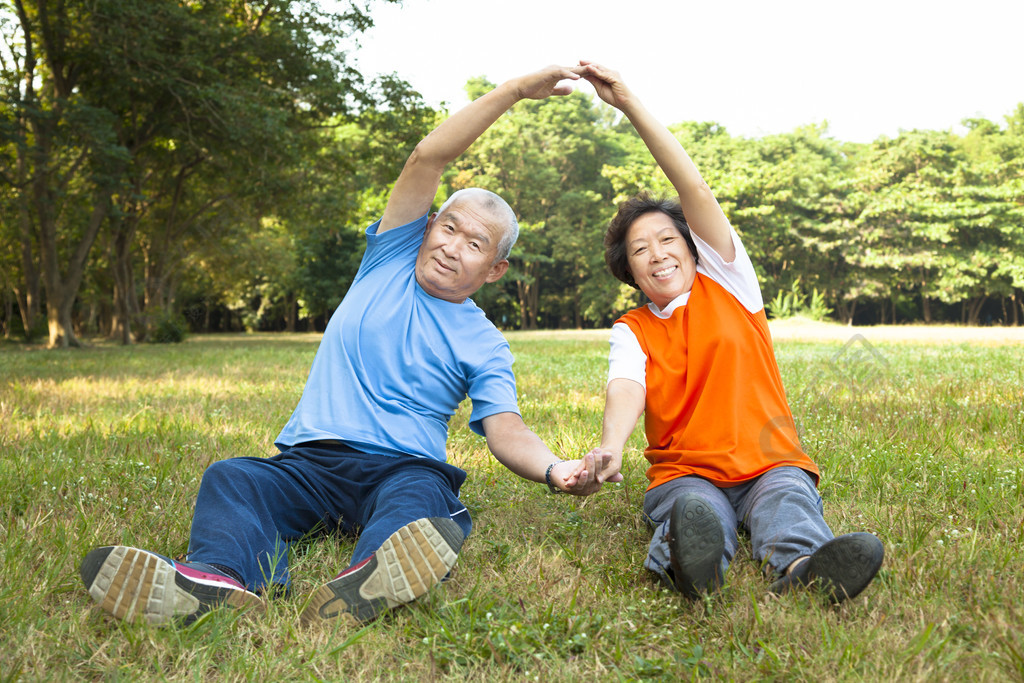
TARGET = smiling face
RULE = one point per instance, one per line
(659, 259)
(459, 253)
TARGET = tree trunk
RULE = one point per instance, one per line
(28, 309)
(126, 303)
(62, 287)
(577, 312)
(974, 309)
(92, 318)
(845, 311)
(30, 296)
(926, 309)
(8, 312)
(291, 313)
(529, 297)
(533, 302)
(521, 292)
(58, 320)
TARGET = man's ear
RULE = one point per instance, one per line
(497, 270)
(430, 221)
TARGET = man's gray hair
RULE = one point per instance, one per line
(498, 208)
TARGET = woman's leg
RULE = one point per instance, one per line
(783, 513)
(658, 504)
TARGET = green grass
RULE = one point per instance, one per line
(920, 444)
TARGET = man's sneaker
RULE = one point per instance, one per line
(129, 583)
(842, 568)
(696, 546)
(411, 560)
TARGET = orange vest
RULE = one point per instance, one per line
(715, 403)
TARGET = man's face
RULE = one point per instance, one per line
(659, 258)
(458, 252)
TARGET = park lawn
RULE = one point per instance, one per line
(921, 444)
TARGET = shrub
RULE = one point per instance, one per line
(795, 303)
(168, 327)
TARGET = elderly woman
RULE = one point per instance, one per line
(698, 362)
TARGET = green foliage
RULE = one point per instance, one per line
(178, 125)
(942, 216)
(338, 187)
(796, 303)
(545, 158)
(168, 328)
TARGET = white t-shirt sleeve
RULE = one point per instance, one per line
(737, 277)
(626, 360)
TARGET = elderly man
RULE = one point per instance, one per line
(364, 450)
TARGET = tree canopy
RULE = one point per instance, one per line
(215, 163)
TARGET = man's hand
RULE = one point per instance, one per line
(586, 475)
(519, 449)
(417, 185)
(547, 82)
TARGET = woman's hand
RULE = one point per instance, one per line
(608, 84)
(586, 475)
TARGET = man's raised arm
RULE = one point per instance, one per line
(417, 184)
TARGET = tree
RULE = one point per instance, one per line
(67, 163)
(940, 218)
(114, 106)
(341, 184)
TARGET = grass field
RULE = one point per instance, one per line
(920, 443)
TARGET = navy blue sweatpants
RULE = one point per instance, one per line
(249, 510)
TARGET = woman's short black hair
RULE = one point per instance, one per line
(615, 237)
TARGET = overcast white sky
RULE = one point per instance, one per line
(869, 68)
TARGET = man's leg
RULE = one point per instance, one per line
(246, 512)
(249, 509)
(413, 526)
(416, 490)
(694, 536)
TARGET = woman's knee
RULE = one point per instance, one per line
(786, 481)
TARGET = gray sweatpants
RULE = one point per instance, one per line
(781, 510)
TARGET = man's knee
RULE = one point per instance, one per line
(233, 474)
(221, 471)
(416, 482)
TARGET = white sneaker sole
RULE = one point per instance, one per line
(129, 584)
(410, 562)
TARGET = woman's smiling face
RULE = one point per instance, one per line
(659, 259)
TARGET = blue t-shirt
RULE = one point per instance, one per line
(395, 362)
